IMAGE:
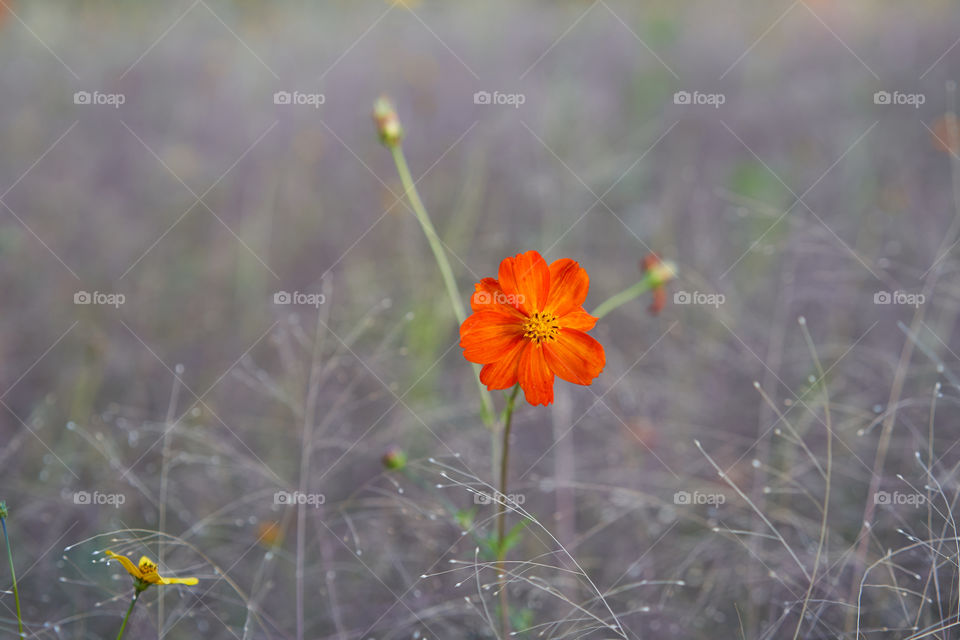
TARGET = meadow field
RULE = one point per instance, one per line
(240, 242)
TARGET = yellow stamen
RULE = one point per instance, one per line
(541, 327)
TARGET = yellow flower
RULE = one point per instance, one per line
(145, 574)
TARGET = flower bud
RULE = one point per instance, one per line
(656, 274)
(394, 459)
(3, 510)
(657, 271)
(387, 121)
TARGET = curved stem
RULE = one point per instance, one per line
(436, 246)
(620, 299)
(169, 425)
(136, 596)
(502, 510)
(13, 576)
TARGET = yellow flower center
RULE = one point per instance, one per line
(542, 327)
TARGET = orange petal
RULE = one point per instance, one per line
(502, 374)
(489, 296)
(535, 376)
(569, 283)
(575, 357)
(486, 336)
(579, 320)
(487, 292)
(525, 279)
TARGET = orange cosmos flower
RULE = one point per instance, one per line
(529, 324)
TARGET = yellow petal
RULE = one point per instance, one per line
(126, 562)
(147, 565)
(186, 581)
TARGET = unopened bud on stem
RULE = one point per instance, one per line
(660, 272)
(387, 121)
(394, 459)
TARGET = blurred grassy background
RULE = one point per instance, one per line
(598, 164)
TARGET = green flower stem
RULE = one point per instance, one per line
(450, 283)
(506, 419)
(136, 596)
(617, 300)
(13, 574)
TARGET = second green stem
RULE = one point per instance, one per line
(625, 296)
(436, 246)
(13, 575)
(123, 627)
(502, 510)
